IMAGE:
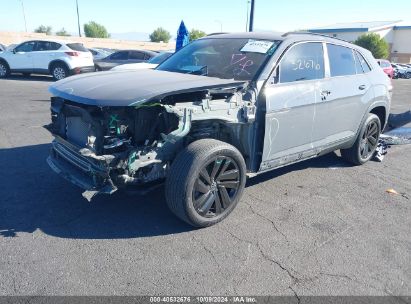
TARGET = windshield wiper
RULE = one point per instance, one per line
(203, 71)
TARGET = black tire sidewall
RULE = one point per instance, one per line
(369, 119)
(2, 62)
(194, 173)
(179, 185)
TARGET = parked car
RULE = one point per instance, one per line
(386, 67)
(99, 53)
(150, 64)
(57, 58)
(123, 57)
(407, 70)
(222, 108)
(399, 71)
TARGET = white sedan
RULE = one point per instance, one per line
(150, 64)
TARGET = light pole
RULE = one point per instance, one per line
(246, 23)
(252, 16)
(78, 20)
(221, 25)
(24, 14)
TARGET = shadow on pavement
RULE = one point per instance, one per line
(29, 78)
(33, 197)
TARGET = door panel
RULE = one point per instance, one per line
(290, 105)
(289, 119)
(22, 59)
(344, 97)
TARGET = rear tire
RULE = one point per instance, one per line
(205, 182)
(59, 71)
(4, 69)
(408, 75)
(366, 143)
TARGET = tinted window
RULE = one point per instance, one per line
(303, 62)
(159, 58)
(123, 55)
(342, 61)
(47, 46)
(364, 64)
(26, 47)
(358, 66)
(93, 52)
(77, 47)
(136, 55)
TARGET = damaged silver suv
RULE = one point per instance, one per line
(224, 107)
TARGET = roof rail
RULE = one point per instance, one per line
(219, 33)
(310, 33)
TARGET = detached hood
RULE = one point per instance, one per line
(129, 88)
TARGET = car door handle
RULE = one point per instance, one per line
(362, 87)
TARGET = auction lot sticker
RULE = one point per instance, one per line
(257, 46)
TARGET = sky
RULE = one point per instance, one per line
(123, 16)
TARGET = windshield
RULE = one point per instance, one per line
(160, 58)
(227, 58)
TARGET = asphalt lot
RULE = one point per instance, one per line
(320, 227)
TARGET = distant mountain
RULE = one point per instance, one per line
(138, 36)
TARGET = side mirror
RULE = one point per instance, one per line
(14, 51)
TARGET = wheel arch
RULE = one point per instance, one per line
(5, 61)
(381, 112)
(57, 61)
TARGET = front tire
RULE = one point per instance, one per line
(205, 182)
(366, 143)
(59, 71)
(4, 69)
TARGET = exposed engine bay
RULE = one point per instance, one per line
(103, 148)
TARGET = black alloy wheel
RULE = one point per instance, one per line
(216, 187)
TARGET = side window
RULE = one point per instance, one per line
(136, 55)
(46, 46)
(304, 61)
(54, 46)
(123, 55)
(26, 47)
(363, 62)
(358, 66)
(342, 61)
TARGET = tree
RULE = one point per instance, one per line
(43, 29)
(159, 35)
(195, 34)
(375, 44)
(95, 30)
(62, 32)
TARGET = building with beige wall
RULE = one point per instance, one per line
(398, 36)
(8, 38)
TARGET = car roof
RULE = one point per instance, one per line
(290, 37)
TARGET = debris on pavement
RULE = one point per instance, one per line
(381, 150)
(392, 191)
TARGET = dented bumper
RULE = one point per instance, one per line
(87, 173)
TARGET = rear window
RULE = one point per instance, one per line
(77, 47)
(342, 61)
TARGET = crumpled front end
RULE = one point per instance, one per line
(103, 148)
